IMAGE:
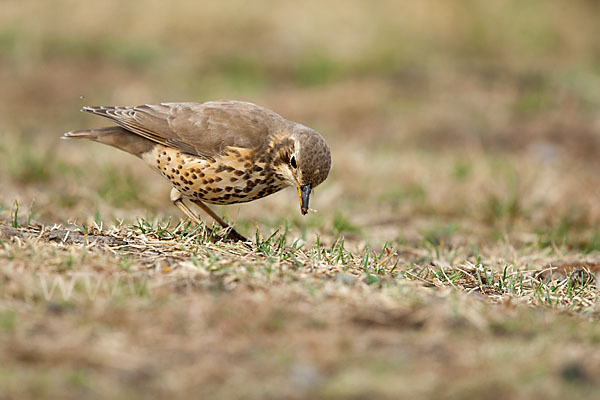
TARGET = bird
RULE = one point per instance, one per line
(217, 152)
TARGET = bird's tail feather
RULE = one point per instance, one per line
(114, 136)
(92, 134)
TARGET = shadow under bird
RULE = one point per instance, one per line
(217, 152)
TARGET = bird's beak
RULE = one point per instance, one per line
(304, 192)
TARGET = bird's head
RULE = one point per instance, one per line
(304, 161)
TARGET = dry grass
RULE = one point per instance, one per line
(456, 249)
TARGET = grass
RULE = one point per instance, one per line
(318, 317)
(456, 249)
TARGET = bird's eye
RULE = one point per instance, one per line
(293, 162)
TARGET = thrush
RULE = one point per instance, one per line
(217, 152)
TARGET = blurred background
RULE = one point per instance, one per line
(463, 120)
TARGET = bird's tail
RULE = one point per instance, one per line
(114, 136)
(93, 134)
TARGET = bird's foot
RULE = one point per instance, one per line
(235, 236)
(228, 235)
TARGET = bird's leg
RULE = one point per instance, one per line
(177, 199)
(233, 234)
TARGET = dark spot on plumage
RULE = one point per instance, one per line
(218, 179)
(211, 180)
(237, 190)
(238, 172)
(247, 165)
(201, 175)
(257, 168)
(169, 158)
(194, 176)
(217, 190)
(221, 168)
(164, 153)
(229, 168)
(186, 173)
(234, 152)
(179, 166)
(186, 188)
(233, 179)
(248, 189)
(204, 181)
(266, 156)
(228, 188)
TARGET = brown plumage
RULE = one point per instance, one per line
(220, 152)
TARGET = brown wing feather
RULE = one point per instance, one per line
(204, 129)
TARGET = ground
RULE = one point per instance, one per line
(456, 247)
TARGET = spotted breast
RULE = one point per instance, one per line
(234, 177)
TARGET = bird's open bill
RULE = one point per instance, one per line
(304, 197)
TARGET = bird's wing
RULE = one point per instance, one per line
(203, 129)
